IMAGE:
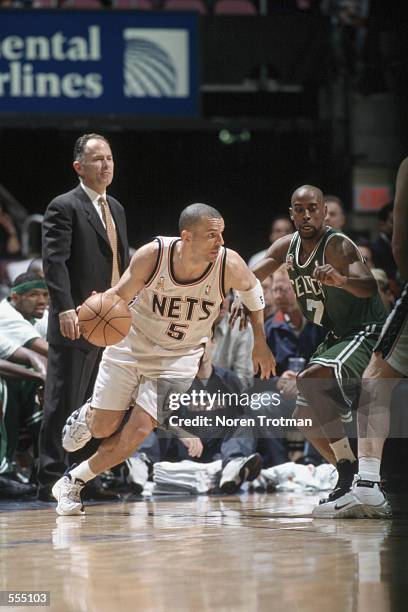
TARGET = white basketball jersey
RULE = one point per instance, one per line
(179, 315)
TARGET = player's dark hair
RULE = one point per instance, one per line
(383, 213)
(26, 278)
(81, 143)
(194, 213)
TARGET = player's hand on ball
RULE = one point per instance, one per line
(193, 445)
(69, 327)
(327, 275)
(104, 319)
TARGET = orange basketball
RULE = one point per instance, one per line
(104, 319)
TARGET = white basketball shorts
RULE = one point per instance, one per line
(138, 372)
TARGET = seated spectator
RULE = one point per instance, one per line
(270, 307)
(21, 313)
(281, 226)
(386, 295)
(336, 216)
(233, 348)
(366, 250)
(236, 450)
(19, 387)
(41, 325)
(288, 333)
(21, 342)
(9, 242)
(382, 250)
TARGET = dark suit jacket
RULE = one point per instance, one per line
(77, 256)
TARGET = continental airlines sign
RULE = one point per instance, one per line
(94, 61)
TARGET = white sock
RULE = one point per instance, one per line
(82, 472)
(369, 468)
(341, 449)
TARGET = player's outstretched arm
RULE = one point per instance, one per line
(140, 269)
(400, 229)
(239, 277)
(346, 269)
(274, 258)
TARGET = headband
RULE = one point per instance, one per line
(27, 286)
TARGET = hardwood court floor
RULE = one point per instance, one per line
(248, 553)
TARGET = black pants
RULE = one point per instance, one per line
(23, 413)
(71, 375)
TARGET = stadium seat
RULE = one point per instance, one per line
(80, 4)
(44, 4)
(140, 5)
(235, 7)
(186, 5)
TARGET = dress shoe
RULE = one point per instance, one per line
(97, 491)
(12, 489)
(44, 494)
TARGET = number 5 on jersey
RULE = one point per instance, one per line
(175, 331)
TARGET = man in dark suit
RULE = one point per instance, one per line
(85, 249)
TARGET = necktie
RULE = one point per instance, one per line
(112, 237)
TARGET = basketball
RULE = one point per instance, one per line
(104, 319)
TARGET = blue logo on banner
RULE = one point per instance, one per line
(148, 70)
(97, 62)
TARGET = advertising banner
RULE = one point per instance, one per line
(88, 62)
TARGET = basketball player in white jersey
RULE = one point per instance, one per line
(180, 284)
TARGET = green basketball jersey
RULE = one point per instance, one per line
(335, 309)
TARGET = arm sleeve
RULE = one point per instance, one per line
(13, 334)
(7, 347)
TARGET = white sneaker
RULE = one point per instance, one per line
(365, 500)
(68, 495)
(374, 503)
(337, 508)
(138, 473)
(239, 470)
(75, 433)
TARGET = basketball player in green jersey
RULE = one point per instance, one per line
(335, 289)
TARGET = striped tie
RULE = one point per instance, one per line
(113, 239)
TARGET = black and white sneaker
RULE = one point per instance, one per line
(366, 499)
(138, 472)
(75, 433)
(373, 500)
(346, 471)
(67, 492)
(239, 470)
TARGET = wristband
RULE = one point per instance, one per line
(253, 299)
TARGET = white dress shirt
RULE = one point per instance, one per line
(94, 197)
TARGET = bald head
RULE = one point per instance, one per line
(306, 192)
(307, 211)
